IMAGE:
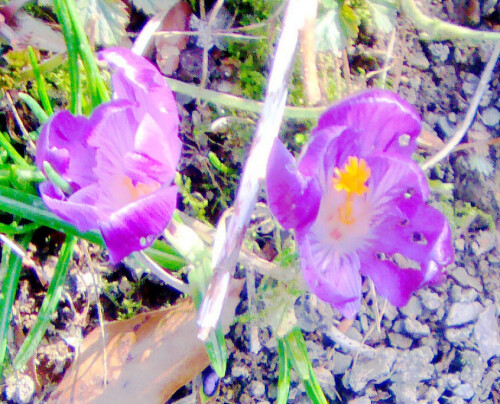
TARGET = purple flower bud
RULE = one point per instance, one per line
(357, 203)
(120, 162)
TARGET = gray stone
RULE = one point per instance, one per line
(490, 116)
(326, 381)
(487, 383)
(340, 363)
(445, 126)
(487, 333)
(474, 367)
(414, 366)
(439, 50)
(405, 393)
(464, 391)
(464, 279)
(458, 336)
(430, 300)
(413, 309)
(399, 341)
(416, 329)
(240, 371)
(257, 388)
(354, 334)
(377, 370)
(391, 312)
(462, 313)
(360, 400)
(459, 244)
(417, 58)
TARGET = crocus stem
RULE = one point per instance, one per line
(40, 82)
(438, 29)
(232, 101)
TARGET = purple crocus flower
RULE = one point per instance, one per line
(357, 203)
(120, 163)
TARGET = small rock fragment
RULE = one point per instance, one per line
(464, 279)
(462, 313)
(413, 309)
(399, 341)
(416, 329)
(257, 388)
(430, 300)
(377, 369)
(487, 333)
(490, 116)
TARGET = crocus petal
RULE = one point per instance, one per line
(380, 117)
(137, 80)
(136, 225)
(331, 276)
(312, 159)
(63, 137)
(78, 209)
(294, 198)
(424, 238)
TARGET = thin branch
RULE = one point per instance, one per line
(471, 113)
(438, 29)
(230, 233)
(26, 135)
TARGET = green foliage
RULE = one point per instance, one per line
(198, 205)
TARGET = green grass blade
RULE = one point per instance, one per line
(165, 257)
(11, 151)
(98, 90)
(72, 46)
(31, 207)
(40, 83)
(34, 107)
(13, 229)
(48, 306)
(297, 351)
(11, 264)
(284, 374)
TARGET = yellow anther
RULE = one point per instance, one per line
(352, 177)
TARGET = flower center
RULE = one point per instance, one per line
(140, 189)
(352, 179)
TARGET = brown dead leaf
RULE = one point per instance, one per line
(168, 48)
(148, 357)
(429, 140)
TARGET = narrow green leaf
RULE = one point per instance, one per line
(40, 82)
(72, 46)
(56, 179)
(284, 373)
(11, 151)
(97, 88)
(11, 264)
(34, 106)
(297, 351)
(48, 306)
(32, 208)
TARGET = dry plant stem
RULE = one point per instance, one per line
(26, 136)
(471, 112)
(308, 54)
(164, 276)
(254, 329)
(388, 57)
(230, 235)
(143, 43)
(211, 19)
(347, 71)
(88, 258)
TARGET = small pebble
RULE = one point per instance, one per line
(490, 117)
(257, 388)
(416, 329)
(462, 313)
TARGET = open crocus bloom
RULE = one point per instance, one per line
(357, 203)
(120, 163)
